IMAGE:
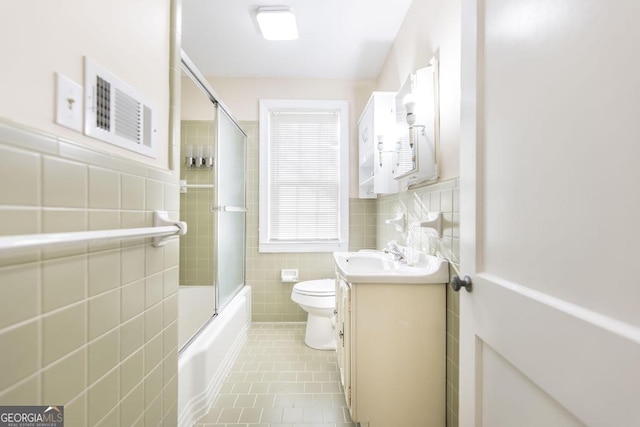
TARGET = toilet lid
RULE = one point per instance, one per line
(322, 287)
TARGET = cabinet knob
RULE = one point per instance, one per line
(457, 283)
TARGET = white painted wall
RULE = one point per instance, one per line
(431, 26)
(39, 38)
(194, 104)
(241, 96)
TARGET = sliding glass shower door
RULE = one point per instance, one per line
(229, 208)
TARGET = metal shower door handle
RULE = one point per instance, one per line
(228, 209)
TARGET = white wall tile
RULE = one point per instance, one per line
(133, 192)
(75, 412)
(154, 195)
(64, 282)
(63, 332)
(104, 188)
(152, 387)
(104, 271)
(154, 289)
(154, 260)
(132, 261)
(63, 220)
(24, 357)
(132, 406)
(132, 336)
(64, 183)
(26, 391)
(132, 300)
(65, 379)
(19, 177)
(103, 396)
(104, 313)
(153, 353)
(19, 293)
(171, 197)
(103, 355)
(112, 418)
(153, 321)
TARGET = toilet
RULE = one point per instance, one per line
(318, 299)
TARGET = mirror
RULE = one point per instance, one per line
(417, 125)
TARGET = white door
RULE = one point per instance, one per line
(550, 213)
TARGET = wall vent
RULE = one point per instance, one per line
(117, 113)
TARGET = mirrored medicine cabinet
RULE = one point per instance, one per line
(399, 135)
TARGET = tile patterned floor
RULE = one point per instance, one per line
(277, 381)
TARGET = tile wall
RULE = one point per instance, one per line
(91, 327)
(196, 248)
(272, 298)
(415, 203)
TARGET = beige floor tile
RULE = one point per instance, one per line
(277, 381)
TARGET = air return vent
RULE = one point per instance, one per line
(116, 113)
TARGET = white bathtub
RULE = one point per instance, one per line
(204, 364)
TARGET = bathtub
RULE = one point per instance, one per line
(205, 362)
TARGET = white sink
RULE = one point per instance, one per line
(379, 267)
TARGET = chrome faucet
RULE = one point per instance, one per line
(394, 250)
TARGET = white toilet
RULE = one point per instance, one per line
(318, 299)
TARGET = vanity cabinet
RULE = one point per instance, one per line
(391, 347)
(377, 119)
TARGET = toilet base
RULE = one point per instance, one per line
(320, 332)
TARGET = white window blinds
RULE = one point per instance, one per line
(303, 179)
(304, 176)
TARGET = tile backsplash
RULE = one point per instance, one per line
(415, 204)
(92, 327)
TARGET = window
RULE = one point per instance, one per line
(304, 176)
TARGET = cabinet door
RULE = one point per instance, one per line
(385, 161)
(365, 154)
(340, 310)
(344, 338)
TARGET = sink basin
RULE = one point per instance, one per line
(379, 267)
(370, 263)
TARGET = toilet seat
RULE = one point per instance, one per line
(316, 288)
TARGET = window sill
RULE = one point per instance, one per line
(272, 247)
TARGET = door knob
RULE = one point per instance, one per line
(457, 283)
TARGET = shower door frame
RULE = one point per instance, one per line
(219, 209)
(190, 69)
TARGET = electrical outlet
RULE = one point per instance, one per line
(68, 103)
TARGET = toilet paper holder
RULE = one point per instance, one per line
(289, 275)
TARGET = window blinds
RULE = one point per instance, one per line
(304, 176)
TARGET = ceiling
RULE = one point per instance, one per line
(342, 39)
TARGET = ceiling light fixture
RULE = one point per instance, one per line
(277, 23)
